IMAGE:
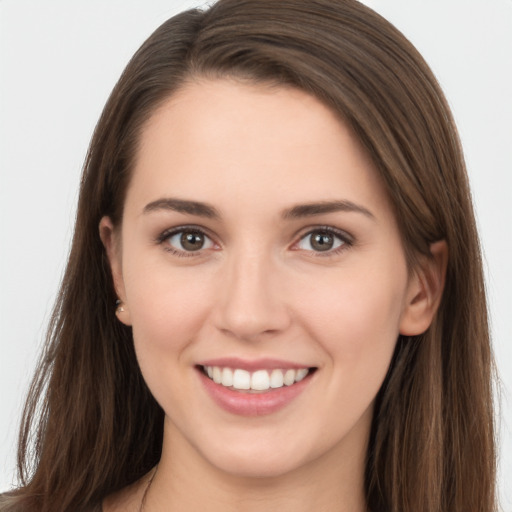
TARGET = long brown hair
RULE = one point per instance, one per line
(90, 425)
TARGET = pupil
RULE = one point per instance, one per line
(192, 241)
(322, 241)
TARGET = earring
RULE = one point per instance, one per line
(119, 308)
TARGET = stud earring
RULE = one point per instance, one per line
(119, 308)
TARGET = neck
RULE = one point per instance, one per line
(187, 482)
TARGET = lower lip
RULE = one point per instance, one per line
(253, 404)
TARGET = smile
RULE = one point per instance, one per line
(260, 380)
(254, 388)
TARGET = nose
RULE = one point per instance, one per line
(251, 304)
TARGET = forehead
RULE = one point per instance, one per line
(237, 144)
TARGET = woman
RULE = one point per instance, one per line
(274, 297)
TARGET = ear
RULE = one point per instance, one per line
(112, 243)
(425, 290)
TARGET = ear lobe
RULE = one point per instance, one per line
(111, 242)
(425, 291)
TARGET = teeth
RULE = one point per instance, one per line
(276, 379)
(217, 375)
(227, 377)
(260, 380)
(289, 377)
(241, 379)
(301, 374)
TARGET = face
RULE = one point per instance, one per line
(258, 246)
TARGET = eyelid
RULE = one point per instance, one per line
(347, 239)
(168, 233)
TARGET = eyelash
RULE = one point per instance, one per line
(346, 239)
(164, 237)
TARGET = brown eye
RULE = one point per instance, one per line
(189, 241)
(192, 241)
(321, 240)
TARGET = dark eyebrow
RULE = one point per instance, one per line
(183, 206)
(311, 209)
(296, 212)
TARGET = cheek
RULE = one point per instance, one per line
(167, 306)
(355, 315)
(354, 320)
(168, 310)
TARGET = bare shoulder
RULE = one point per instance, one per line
(129, 498)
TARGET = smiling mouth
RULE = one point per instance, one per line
(241, 380)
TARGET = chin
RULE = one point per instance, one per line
(257, 467)
(260, 459)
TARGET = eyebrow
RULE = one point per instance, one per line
(183, 206)
(300, 211)
(312, 209)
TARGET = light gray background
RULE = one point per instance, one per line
(60, 59)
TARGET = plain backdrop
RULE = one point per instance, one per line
(60, 59)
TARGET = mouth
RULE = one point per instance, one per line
(262, 380)
(256, 388)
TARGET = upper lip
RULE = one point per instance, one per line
(254, 364)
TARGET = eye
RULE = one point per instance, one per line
(186, 241)
(323, 240)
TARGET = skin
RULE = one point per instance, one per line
(259, 288)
